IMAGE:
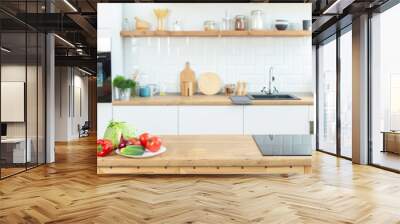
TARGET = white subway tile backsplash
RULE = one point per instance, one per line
(234, 58)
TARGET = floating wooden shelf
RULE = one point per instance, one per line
(261, 33)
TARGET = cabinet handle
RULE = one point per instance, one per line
(311, 127)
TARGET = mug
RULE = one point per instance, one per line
(153, 89)
(306, 24)
(144, 91)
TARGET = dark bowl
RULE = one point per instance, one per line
(281, 26)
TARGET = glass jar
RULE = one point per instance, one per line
(240, 22)
(257, 22)
(210, 25)
(126, 25)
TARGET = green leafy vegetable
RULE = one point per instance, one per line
(115, 130)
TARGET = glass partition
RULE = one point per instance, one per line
(13, 94)
(22, 67)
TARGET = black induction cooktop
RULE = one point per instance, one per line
(284, 145)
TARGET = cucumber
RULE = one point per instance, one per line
(133, 150)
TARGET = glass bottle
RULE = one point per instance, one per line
(226, 23)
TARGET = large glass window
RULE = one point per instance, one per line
(385, 87)
(327, 97)
(346, 94)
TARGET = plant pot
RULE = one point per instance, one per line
(133, 92)
(125, 94)
(116, 93)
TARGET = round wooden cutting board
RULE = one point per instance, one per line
(209, 83)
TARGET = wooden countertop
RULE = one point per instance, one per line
(305, 99)
(207, 151)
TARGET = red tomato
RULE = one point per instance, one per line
(153, 144)
(143, 139)
(134, 141)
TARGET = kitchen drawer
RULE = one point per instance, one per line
(202, 120)
(276, 120)
(159, 120)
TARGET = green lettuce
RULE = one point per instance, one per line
(115, 130)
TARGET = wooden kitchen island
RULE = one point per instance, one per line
(206, 154)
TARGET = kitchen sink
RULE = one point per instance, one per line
(272, 97)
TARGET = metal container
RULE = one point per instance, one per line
(257, 21)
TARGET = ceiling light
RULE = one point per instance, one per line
(70, 5)
(337, 7)
(84, 71)
(5, 50)
(64, 40)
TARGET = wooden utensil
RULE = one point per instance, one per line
(241, 88)
(187, 75)
(187, 89)
(209, 83)
(141, 24)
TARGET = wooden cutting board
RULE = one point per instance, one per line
(187, 75)
(209, 83)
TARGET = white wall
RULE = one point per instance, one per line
(233, 58)
(66, 119)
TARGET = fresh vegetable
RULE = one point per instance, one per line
(153, 144)
(133, 150)
(143, 139)
(116, 130)
(134, 141)
(122, 143)
(104, 146)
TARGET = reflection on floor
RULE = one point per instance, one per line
(11, 169)
(387, 159)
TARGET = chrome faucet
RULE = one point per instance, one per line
(270, 80)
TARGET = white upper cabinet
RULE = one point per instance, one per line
(276, 120)
(158, 120)
(198, 120)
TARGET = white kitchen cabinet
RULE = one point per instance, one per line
(276, 120)
(198, 120)
(159, 120)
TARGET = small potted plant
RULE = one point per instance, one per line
(124, 88)
(118, 85)
(132, 85)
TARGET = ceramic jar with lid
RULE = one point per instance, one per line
(257, 22)
(240, 22)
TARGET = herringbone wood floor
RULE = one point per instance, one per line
(69, 191)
